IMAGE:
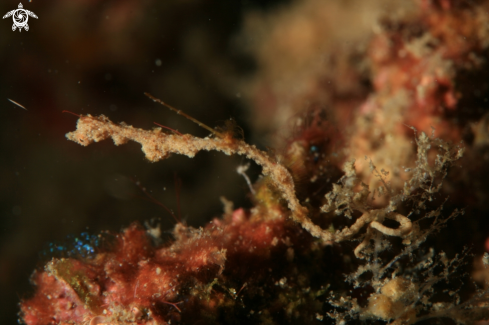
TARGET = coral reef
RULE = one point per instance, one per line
(216, 274)
(421, 65)
(136, 282)
(342, 211)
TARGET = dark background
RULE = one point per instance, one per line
(98, 57)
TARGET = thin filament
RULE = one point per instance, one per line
(179, 112)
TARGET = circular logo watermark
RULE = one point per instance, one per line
(20, 17)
